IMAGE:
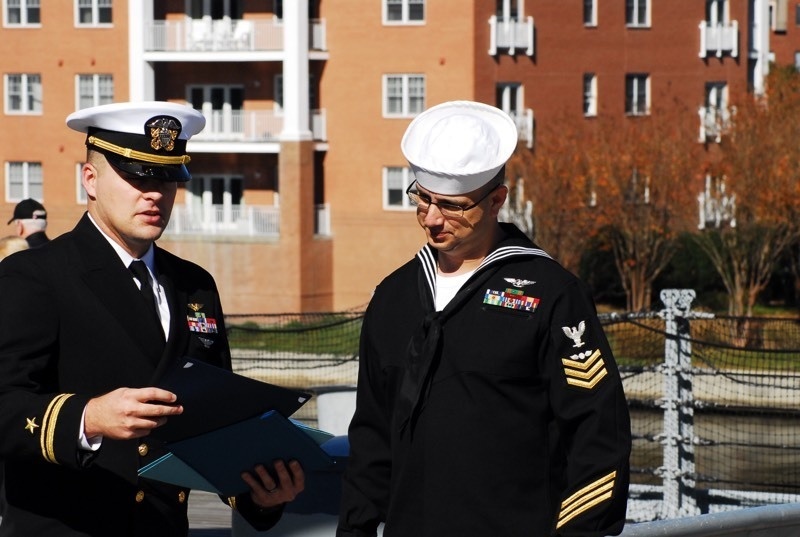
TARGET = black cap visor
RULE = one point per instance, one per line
(138, 170)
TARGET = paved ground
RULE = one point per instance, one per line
(208, 516)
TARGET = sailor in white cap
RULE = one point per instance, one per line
(99, 314)
(488, 402)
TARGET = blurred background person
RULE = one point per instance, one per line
(30, 217)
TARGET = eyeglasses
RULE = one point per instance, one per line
(449, 210)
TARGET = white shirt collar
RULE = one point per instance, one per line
(148, 257)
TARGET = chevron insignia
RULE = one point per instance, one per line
(586, 498)
(585, 374)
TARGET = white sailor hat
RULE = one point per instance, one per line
(141, 139)
(458, 146)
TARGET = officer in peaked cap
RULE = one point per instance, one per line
(99, 314)
(141, 140)
(489, 402)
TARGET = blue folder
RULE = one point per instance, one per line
(214, 461)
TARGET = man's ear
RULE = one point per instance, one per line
(498, 198)
(89, 179)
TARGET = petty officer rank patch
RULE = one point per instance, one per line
(585, 369)
(514, 299)
(201, 323)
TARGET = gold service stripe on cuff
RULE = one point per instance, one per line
(587, 497)
(47, 437)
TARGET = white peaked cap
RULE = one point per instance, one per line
(458, 146)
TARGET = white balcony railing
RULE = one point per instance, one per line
(510, 34)
(253, 126)
(713, 123)
(224, 35)
(524, 122)
(237, 220)
(718, 39)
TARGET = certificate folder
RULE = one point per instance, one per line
(214, 461)
(213, 397)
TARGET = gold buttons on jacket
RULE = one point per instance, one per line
(140, 496)
(143, 449)
(181, 497)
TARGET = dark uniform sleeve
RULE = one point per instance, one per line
(366, 483)
(592, 419)
(36, 422)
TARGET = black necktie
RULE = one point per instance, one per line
(139, 270)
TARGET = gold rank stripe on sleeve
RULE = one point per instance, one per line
(585, 374)
(48, 432)
(586, 498)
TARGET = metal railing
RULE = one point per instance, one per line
(224, 35)
(238, 220)
(511, 35)
(253, 126)
(718, 39)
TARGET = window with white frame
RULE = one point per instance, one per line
(637, 12)
(403, 11)
(638, 189)
(23, 180)
(509, 98)
(215, 199)
(590, 12)
(508, 10)
(403, 95)
(717, 12)
(797, 60)
(94, 90)
(219, 9)
(23, 93)
(396, 179)
(589, 94)
(93, 12)
(222, 106)
(22, 12)
(637, 94)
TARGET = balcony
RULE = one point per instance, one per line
(237, 221)
(719, 39)
(510, 35)
(524, 122)
(253, 126)
(713, 123)
(224, 35)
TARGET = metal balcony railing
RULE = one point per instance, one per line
(718, 39)
(511, 35)
(253, 126)
(224, 35)
(714, 122)
(237, 220)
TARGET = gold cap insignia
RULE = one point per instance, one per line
(163, 132)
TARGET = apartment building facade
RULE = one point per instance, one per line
(297, 199)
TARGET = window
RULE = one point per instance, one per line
(23, 94)
(797, 60)
(717, 12)
(638, 189)
(717, 206)
(589, 13)
(637, 94)
(403, 11)
(508, 10)
(637, 12)
(93, 12)
(23, 180)
(509, 98)
(797, 14)
(312, 92)
(22, 12)
(395, 182)
(589, 94)
(94, 90)
(214, 9)
(403, 95)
